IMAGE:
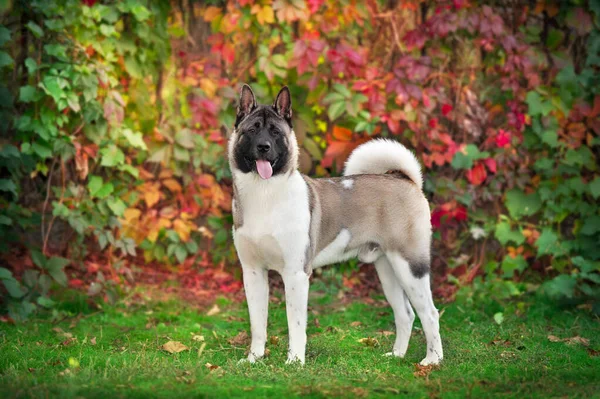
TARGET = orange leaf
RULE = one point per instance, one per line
(211, 13)
(183, 229)
(341, 133)
(151, 192)
(156, 227)
(173, 185)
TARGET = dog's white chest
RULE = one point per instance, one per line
(276, 220)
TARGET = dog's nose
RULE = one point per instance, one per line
(263, 147)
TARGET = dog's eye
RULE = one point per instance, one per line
(250, 131)
(275, 131)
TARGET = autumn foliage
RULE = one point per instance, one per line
(116, 115)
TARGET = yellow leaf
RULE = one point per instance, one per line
(183, 229)
(211, 13)
(151, 192)
(174, 347)
(173, 185)
(264, 15)
(156, 227)
(165, 174)
(208, 86)
(131, 214)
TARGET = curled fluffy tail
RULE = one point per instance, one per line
(380, 156)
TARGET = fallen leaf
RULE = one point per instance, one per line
(503, 342)
(508, 355)
(214, 310)
(577, 340)
(241, 339)
(317, 323)
(197, 338)
(356, 323)
(553, 338)
(274, 340)
(174, 347)
(93, 341)
(372, 342)
(386, 333)
(201, 349)
(211, 367)
(423, 371)
(69, 341)
(31, 369)
(593, 352)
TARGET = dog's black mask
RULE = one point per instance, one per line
(263, 132)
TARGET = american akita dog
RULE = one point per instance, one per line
(291, 223)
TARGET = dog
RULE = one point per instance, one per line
(291, 223)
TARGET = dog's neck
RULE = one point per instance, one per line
(251, 188)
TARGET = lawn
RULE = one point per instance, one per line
(118, 351)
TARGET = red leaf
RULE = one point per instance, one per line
(503, 138)
(477, 174)
(433, 123)
(446, 108)
(491, 164)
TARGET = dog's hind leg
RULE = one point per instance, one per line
(403, 313)
(417, 288)
(256, 285)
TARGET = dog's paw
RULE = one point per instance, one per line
(252, 358)
(394, 353)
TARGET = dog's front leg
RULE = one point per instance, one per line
(256, 285)
(296, 298)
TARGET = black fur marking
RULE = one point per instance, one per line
(262, 126)
(399, 174)
(419, 269)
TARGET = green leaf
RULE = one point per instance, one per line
(140, 12)
(8, 186)
(313, 149)
(117, 206)
(14, 288)
(31, 65)
(38, 258)
(180, 253)
(35, 29)
(133, 67)
(510, 265)
(55, 266)
(192, 247)
(107, 30)
(112, 156)
(5, 59)
(5, 274)
(5, 220)
(546, 242)
(550, 137)
(41, 150)
(185, 138)
(561, 286)
(98, 189)
(464, 159)
(520, 204)
(336, 109)
(591, 225)
(4, 35)
(504, 234)
(135, 139)
(45, 302)
(595, 187)
(27, 94)
(51, 85)
(499, 318)
(537, 105)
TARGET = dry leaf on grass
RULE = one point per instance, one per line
(197, 338)
(214, 310)
(174, 347)
(571, 340)
(423, 371)
(211, 367)
(242, 339)
(93, 341)
(356, 323)
(372, 342)
(274, 340)
(386, 333)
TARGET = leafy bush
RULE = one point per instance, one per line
(123, 108)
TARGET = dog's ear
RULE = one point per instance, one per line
(283, 104)
(247, 103)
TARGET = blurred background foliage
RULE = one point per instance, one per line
(114, 117)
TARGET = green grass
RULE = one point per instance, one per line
(127, 360)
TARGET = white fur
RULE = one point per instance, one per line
(381, 155)
(348, 183)
(275, 211)
(335, 251)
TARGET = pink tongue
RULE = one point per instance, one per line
(264, 169)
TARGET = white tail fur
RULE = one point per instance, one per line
(380, 156)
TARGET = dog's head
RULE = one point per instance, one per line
(263, 140)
